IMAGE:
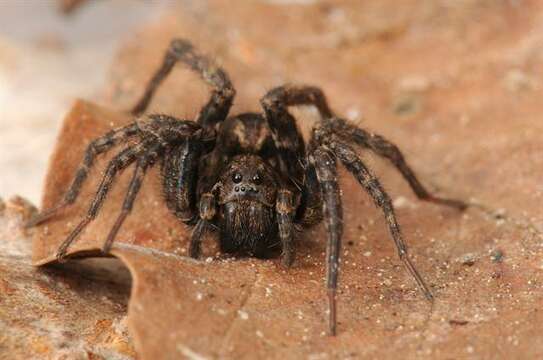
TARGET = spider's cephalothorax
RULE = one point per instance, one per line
(251, 175)
(246, 192)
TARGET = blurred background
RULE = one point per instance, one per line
(447, 70)
(51, 54)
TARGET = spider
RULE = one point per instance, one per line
(251, 175)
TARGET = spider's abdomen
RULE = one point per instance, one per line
(247, 226)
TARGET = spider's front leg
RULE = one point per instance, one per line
(286, 135)
(156, 133)
(290, 143)
(181, 50)
(371, 184)
(325, 165)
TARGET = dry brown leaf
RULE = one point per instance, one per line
(77, 312)
(452, 102)
(244, 308)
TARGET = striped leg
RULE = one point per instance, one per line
(119, 162)
(96, 147)
(325, 164)
(179, 178)
(389, 151)
(207, 211)
(135, 184)
(286, 209)
(223, 92)
(352, 162)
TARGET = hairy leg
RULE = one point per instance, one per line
(286, 209)
(353, 163)
(326, 169)
(179, 178)
(286, 135)
(390, 151)
(223, 92)
(119, 162)
(296, 95)
(96, 147)
(135, 184)
(290, 143)
(207, 211)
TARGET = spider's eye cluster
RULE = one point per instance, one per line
(236, 178)
(257, 179)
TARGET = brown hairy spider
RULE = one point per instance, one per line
(251, 176)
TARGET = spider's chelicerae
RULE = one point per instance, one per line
(251, 175)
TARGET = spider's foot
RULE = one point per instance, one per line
(420, 282)
(457, 204)
(106, 249)
(35, 220)
(180, 46)
(428, 295)
(42, 216)
(194, 250)
(287, 258)
(332, 316)
(61, 254)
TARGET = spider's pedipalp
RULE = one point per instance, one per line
(352, 162)
(207, 211)
(325, 165)
(142, 165)
(223, 93)
(286, 209)
(119, 162)
(95, 148)
(390, 151)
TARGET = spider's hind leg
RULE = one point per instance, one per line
(223, 92)
(352, 162)
(326, 171)
(390, 151)
(95, 148)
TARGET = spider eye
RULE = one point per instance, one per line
(257, 180)
(236, 178)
